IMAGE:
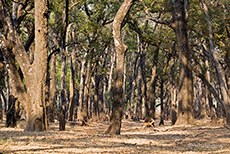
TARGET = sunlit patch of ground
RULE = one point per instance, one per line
(134, 138)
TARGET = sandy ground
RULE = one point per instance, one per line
(134, 138)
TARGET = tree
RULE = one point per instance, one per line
(33, 97)
(115, 123)
(185, 91)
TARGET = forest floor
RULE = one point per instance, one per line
(134, 138)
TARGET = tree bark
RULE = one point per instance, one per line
(185, 91)
(115, 123)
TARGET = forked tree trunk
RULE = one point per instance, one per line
(33, 98)
(115, 123)
(185, 91)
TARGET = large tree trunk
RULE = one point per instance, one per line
(115, 123)
(34, 74)
(185, 91)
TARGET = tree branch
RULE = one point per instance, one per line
(13, 41)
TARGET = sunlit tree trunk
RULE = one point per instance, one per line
(115, 123)
(33, 98)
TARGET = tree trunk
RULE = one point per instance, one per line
(95, 114)
(132, 86)
(152, 85)
(81, 91)
(84, 110)
(138, 116)
(173, 93)
(34, 74)
(115, 123)
(38, 119)
(219, 71)
(142, 51)
(185, 91)
(72, 86)
(162, 103)
(11, 113)
(52, 91)
(109, 99)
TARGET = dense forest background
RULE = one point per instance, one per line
(108, 60)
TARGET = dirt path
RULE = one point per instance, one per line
(133, 139)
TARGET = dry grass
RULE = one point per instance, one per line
(134, 138)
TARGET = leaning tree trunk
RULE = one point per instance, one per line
(185, 91)
(116, 117)
(219, 71)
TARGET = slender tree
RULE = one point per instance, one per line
(116, 117)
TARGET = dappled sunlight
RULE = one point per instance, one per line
(133, 139)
